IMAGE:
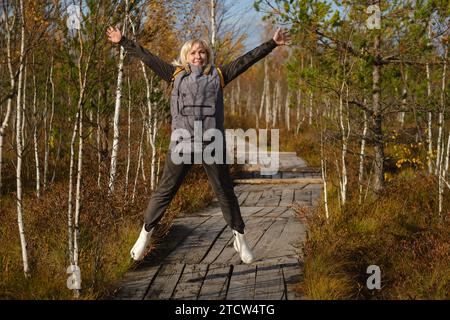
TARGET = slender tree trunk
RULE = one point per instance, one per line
(238, 96)
(267, 92)
(323, 167)
(115, 146)
(35, 138)
(344, 139)
(404, 101)
(138, 166)
(19, 142)
(233, 101)
(361, 158)
(275, 104)
(263, 96)
(441, 117)
(377, 119)
(78, 189)
(288, 111)
(213, 7)
(128, 138)
(442, 169)
(430, 114)
(50, 127)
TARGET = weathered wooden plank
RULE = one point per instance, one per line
(252, 199)
(196, 245)
(289, 241)
(190, 282)
(269, 283)
(292, 274)
(287, 197)
(215, 283)
(242, 197)
(135, 283)
(242, 283)
(165, 282)
(269, 199)
(269, 237)
(249, 211)
(277, 212)
(264, 211)
(302, 195)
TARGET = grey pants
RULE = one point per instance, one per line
(172, 178)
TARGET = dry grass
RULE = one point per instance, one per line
(109, 227)
(400, 231)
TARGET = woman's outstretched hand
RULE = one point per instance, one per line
(114, 34)
(281, 37)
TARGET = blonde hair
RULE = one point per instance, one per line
(182, 61)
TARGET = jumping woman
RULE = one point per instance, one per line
(196, 98)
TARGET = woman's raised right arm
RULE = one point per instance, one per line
(159, 66)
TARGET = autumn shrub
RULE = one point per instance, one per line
(400, 231)
(109, 225)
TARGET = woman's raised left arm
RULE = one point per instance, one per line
(240, 65)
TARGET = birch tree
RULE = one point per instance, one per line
(115, 145)
(19, 144)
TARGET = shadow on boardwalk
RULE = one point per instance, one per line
(196, 259)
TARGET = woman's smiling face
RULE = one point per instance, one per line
(197, 56)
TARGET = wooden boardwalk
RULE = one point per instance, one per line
(196, 260)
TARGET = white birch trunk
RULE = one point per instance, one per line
(213, 8)
(441, 116)
(128, 138)
(50, 128)
(288, 111)
(78, 188)
(276, 104)
(19, 141)
(138, 166)
(268, 102)
(323, 167)
(35, 138)
(430, 115)
(263, 99)
(441, 149)
(404, 102)
(361, 158)
(115, 145)
(343, 175)
(238, 96)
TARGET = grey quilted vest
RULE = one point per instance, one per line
(197, 97)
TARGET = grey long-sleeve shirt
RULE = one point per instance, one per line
(230, 71)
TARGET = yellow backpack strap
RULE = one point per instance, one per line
(178, 70)
(222, 81)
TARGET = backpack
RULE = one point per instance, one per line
(178, 70)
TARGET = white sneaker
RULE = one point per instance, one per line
(140, 247)
(241, 246)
